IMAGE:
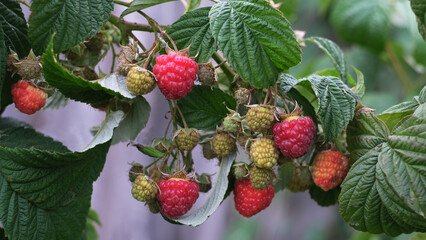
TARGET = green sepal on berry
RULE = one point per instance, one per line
(126, 57)
(140, 81)
(29, 67)
(240, 170)
(135, 171)
(186, 138)
(162, 145)
(208, 150)
(144, 189)
(204, 182)
(223, 144)
(261, 178)
(264, 153)
(260, 119)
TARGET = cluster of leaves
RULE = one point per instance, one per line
(45, 189)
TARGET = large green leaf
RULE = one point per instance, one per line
(14, 27)
(394, 114)
(334, 53)
(419, 8)
(134, 121)
(142, 4)
(204, 107)
(255, 38)
(23, 220)
(323, 198)
(72, 20)
(365, 22)
(78, 88)
(193, 29)
(336, 102)
(107, 128)
(45, 189)
(216, 196)
(385, 188)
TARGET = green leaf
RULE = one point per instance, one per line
(193, 4)
(117, 83)
(365, 22)
(14, 27)
(324, 199)
(336, 102)
(285, 174)
(73, 21)
(360, 86)
(334, 53)
(8, 122)
(193, 29)
(6, 95)
(419, 9)
(133, 122)
(56, 101)
(394, 114)
(216, 196)
(78, 88)
(106, 130)
(142, 4)
(365, 133)
(255, 38)
(90, 232)
(204, 107)
(385, 188)
(44, 188)
(150, 151)
(23, 220)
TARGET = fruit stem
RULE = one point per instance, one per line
(173, 116)
(225, 68)
(126, 4)
(286, 106)
(171, 40)
(180, 113)
(25, 3)
(266, 97)
(168, 125)
(154, 162)
(276, 95)
(153, 51)
(397, 66)
(124, 25)
(114, 54)
(178, 161)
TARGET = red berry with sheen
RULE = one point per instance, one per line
(175, 75)
(295, 136)
(329, 169)
(177, 196)
(28, 99)
(250, 201)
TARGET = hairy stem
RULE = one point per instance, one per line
(225, 68)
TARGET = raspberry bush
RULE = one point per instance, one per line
(231, 72)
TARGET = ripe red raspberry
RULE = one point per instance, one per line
(175, 75)
(28, 99)
(250, 201)
(294, 136)
(177, 196)
(329, 169)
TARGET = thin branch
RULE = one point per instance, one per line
(225, 68)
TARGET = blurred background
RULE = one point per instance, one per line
(394, 71)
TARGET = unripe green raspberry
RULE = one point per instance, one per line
(140, 81)
(144, 189)
(260, 119)
(223, 144)
(154, 207)
(28, 68)
(208, 150)
(261, 178)
(230, 125)
(206, 74)
(301, 179)
(242, 96)
(264, 153)
(186, 139)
